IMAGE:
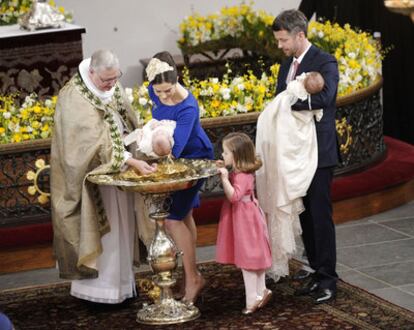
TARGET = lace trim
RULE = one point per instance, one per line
(283, 229)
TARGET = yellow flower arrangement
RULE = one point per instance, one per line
(225, 97)
(11, 10)
(140, 101)
(230, 96)
(31, 120)
(357, 53)
(237, 26)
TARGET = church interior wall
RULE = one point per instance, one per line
(138, 29)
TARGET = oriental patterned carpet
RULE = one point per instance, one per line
(51, 307)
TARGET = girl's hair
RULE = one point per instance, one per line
(167, 76)
(244, 154)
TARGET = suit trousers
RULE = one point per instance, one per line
(318, 229)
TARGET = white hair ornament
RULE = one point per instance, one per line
(155, 66)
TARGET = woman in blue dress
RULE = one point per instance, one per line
(172, 101)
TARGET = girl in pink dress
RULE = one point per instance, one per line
(242, 237)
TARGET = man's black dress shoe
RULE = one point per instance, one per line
(301, 275)
(323, 295)
(308, 287)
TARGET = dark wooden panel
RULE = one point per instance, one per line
(26, 258)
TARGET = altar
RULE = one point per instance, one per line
(41, 61)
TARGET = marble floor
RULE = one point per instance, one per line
(374, 253)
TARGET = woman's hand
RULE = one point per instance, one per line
(141, 166)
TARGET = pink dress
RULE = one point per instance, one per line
(242, 237)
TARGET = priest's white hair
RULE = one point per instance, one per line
(104, 59)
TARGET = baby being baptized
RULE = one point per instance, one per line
(155, 138)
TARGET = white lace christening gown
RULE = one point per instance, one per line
(286, 142)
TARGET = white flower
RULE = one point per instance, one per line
(321, 34)
(237, 81)
(143, 101)
(240, 86)
(352, 55)
(248, 100)
(225, 93)
(229, 112)
(214, 80)
(241, 108)
(7, 115)
(207, 92)
(48, 103)
(202, 111)
(46, 119)
(128, 92)
(140, 121)
(142, 90)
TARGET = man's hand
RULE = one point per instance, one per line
(141, 166)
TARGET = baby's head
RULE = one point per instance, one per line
(313, 82)
(161, 143)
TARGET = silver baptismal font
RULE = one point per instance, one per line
(163, 253)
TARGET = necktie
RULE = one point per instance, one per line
(294, 69)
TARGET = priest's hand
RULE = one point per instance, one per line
(141, 166)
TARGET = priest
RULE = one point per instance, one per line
(94, 225)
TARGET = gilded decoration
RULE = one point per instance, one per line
(36, 188)
(150, 289)
(405, 7)
(344, 131)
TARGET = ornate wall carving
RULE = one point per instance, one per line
(39, 62)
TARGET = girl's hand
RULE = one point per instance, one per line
(224, 173)
(220, 163)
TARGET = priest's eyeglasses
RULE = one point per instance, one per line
(109, 80)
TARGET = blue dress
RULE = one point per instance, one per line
(190, 141)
